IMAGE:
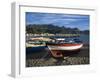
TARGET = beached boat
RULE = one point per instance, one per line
(61, 46)
(35, 49)
(36, 44)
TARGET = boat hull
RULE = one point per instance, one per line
(59, 50)
(34, 49)
(66, 47)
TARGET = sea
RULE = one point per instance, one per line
(83, 37)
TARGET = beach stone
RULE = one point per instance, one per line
(66, 57)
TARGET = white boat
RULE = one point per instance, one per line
(59, 47)
(65, 46)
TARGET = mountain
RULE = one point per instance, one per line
(52, 29)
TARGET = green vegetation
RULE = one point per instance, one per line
(52, 29)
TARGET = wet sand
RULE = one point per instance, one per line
(44, 58)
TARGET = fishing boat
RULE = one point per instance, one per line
(36, 44)
(62, 46)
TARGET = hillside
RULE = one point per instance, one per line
(52, 29)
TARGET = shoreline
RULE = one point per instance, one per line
(45, 59)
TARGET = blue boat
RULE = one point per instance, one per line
(35, 49)
(35, 45)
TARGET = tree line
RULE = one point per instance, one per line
(52, 29)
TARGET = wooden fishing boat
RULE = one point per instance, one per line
(61, 47)
(35, 45)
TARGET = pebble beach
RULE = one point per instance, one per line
(44, 58)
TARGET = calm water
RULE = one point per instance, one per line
(83, 37)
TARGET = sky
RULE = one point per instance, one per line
(67, 20)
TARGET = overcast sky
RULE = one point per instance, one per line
(67, 20)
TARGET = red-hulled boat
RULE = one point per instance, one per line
(58, 48)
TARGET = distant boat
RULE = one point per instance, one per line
(61, 46)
